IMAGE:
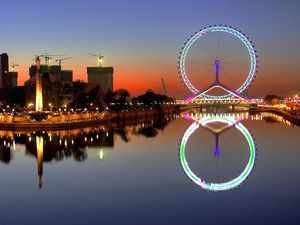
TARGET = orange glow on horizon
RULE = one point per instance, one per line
(144, 77)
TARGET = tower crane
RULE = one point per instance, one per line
(47, 57)
(100, 58)
(13, 65)
(62, 59)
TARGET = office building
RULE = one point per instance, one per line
(102, 76)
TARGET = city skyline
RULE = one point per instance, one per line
(143, 42)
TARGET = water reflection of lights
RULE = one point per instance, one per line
(101, 154)
(40, 153)
(217, 186)
(237, 116)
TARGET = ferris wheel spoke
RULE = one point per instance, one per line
(228, 74)
(198, 57)
(197, 51)
(207, 74)
(199, 60)
(230, 54)
(218, 45)
(225, 73)
(235, 63)
(217, 168)
(207, 163)
(198, 67)
(229, 162)
(204, 64)
(207, 51)
(227, 139)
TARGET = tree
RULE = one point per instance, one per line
(121, 95)
(150, 98)
(272, 99)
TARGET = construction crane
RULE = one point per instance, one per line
(47, 57)
(100, 58)
(13, 65)
(59, 60)
(164, 86)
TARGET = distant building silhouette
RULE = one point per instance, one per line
(65, 76)
(58, 94)
(4, 66)
(102, 76)
(53, 92)
(13, 79)
(17, 95)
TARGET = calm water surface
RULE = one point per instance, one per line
(135, 175)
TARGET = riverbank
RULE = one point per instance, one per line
(295, 119)
(75, 120)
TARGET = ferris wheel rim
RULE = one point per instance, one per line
(227, 29)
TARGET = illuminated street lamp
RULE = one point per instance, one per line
(30, 105)
(50, 106)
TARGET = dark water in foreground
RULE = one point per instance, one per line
(134, 174)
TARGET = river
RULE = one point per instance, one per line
(192, 168)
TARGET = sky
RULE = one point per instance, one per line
(142, 39)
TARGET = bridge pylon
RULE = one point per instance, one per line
(217, 84)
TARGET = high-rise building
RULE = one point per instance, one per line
(13, 78)
(4, 66)
(102, 76)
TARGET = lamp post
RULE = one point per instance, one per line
(30, 106)
(50, 106)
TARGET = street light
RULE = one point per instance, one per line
(30, 105)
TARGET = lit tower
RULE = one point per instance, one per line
(39, 89)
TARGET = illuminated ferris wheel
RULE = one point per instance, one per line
(218, 56)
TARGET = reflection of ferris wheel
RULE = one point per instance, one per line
(225, 185)
(209, 57)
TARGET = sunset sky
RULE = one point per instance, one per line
(142, 39)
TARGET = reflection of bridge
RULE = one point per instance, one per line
(196, 116)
